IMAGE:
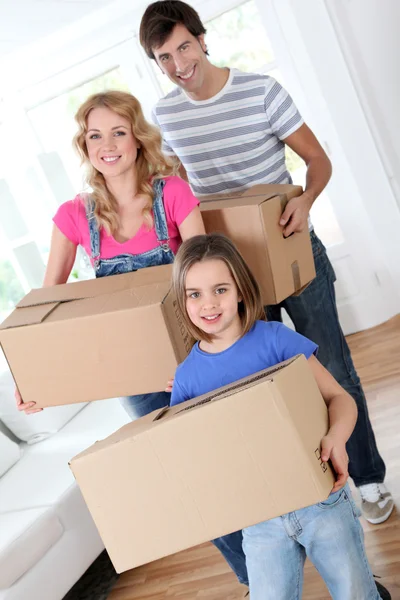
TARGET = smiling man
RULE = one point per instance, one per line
(229, 129)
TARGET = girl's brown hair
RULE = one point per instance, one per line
(150, 163)
(217, 246)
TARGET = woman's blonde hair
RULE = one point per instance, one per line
(210, 247)
(150, 164)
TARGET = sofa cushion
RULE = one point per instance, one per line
(25, 537)
(36, 427)
(9, 453)
(48, 461)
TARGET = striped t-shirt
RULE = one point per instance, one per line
(233, 140)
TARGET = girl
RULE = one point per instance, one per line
(137, 214)
(221, 304)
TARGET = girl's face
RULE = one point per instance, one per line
(111, 145)
(212, 299)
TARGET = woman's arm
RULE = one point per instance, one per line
(342, 419)
(61, 260)
(192, 225)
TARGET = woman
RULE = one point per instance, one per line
(137, 215)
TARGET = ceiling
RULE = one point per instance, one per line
(24, 22)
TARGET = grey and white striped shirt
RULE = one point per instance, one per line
(233, 140)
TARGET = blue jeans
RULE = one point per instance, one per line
(143, 404)
(315, 316)
(328, 533)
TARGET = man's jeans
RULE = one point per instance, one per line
(315, 316)
(143, 404)
(328, 533)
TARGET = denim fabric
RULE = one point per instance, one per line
(231, 548)
(328, 533)
(315, 316)
(126, 263)
(136, 406)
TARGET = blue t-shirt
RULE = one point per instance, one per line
(265, 345)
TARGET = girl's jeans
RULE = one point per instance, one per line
(328, 533)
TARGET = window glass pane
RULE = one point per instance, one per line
(11, 290)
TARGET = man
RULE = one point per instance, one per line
(228, 129)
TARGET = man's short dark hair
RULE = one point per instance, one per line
(159, 20)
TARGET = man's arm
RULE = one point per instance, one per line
(319, 170)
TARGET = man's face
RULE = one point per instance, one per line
(182, 58)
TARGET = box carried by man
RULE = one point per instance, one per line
(103, 338)
(209, 466)
(282, 266)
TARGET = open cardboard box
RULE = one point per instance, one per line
(209, 466)
(96, 339)
(282, 266)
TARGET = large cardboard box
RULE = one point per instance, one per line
(183, 475)
(282, 266)
(96, 339)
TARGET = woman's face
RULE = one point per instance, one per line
(111, 145)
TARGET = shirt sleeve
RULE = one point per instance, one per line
(178, 395)
(281, 111)
(179, 200)
(67, 220)
(165, 147)
(289, 343)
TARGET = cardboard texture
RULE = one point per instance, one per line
(90, 340)
(210, 466)
(282, 266)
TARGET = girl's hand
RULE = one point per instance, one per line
(28, 408)
(169, 385)
(334, 449)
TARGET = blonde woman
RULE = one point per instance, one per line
(137, 214)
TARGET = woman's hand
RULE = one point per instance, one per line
(334, 449)
(169, 385)
(28, 408)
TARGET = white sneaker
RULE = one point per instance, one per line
(376, 502)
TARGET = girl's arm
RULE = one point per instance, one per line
(342, 419)
(61, 260)
(192, 225)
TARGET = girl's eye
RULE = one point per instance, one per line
(194, 295)
(120, 133)
(220, 291)
(94, 136)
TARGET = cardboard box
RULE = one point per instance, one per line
(282, 266)
(103, 338)
(184, 475)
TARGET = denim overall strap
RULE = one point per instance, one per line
(93, 232)
(160, 220)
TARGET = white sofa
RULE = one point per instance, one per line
(47, 536)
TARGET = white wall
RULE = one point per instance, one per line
(368, 32)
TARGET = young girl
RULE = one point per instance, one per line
(222, 307)
(137, 214)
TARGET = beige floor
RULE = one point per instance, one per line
(201, 573)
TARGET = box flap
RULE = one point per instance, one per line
(31, 316)
(254, 195)
(96, 287)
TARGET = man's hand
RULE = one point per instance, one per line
(334, 449)
(295, 216)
